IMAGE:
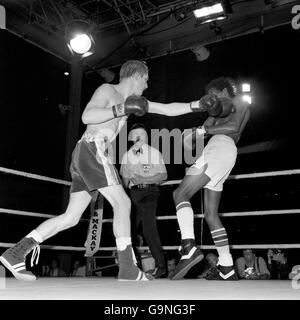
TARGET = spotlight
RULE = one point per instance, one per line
(247, 98)
(81, 43)
(79, 38)
(210, 13)
(201, 53)
(66, 73)
(246, 87)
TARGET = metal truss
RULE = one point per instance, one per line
(54, 15)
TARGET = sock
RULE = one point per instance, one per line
(122, 244)
(35, 235)
(221, 242)
(185, 217)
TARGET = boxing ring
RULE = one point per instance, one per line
(107, 288)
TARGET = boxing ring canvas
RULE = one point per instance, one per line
(109, 288)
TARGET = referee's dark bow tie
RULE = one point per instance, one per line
(137, 151)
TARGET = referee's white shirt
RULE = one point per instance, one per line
(147, 163)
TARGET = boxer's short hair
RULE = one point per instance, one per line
(222, 83)
(132, 67)
(138, 126)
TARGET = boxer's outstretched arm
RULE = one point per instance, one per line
(169, 109)
(95, 111)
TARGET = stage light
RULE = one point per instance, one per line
(210, 13)
(81, 43)
(247, 98)
(79, 38)
(66, 73)
(246, 87)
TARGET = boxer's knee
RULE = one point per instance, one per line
(69, 221)
(179, 196)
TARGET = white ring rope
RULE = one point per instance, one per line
(231, 177)
(250, 175)
(204, 247)
(173, 217)
(234, 246)
(231, 214)
(67, 248)
(31, 214)
(34, 176)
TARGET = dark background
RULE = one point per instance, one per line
(33, 132)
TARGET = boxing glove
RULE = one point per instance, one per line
(208, 103)
(138, 105)
(227, 107)
(213, 105)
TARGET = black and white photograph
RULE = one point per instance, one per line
(150, 153)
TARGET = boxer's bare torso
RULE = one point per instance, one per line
(111, 127)
(236, 120)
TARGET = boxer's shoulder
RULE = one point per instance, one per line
(239, 102)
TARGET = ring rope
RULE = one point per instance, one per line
(233, 246)
(232, 214)
(32, 214)
(224, 214)
(67, 248)
(204, 247)
(231, 177)
(34, 176)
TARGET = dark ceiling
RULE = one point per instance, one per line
(140, 29)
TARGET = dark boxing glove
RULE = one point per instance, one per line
(208, 103)
(227, 107)
(138, 105)
(214, 106)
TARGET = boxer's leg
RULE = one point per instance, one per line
(194, 180)
(121, 204)
(14, 257)
(219, 235)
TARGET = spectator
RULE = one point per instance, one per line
(142, 170)
(277, 264)
(250, 267)
(78, 270)
(45, 270)
(295, 272)
(211, 261)
(55, 270)
(171, 265)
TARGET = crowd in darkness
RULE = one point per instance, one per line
(250, 264)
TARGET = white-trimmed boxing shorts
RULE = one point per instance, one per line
(92, 165)
(219, 157)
